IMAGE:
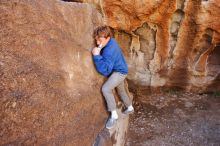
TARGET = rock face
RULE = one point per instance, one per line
(168, 42)
(115, 136)
(49, 88)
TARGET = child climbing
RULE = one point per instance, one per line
(110, 62)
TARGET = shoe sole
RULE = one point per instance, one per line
(131, 112)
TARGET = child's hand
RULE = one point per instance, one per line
(96, 51)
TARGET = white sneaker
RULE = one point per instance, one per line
(110, 123)
(129, 110)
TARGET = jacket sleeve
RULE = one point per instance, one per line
(104, 63)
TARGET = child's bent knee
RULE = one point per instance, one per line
(105, 89)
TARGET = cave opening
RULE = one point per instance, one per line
(213, 66)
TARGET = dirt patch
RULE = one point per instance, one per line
(175, 118)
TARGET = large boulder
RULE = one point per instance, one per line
(49, 88)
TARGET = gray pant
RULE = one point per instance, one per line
(115, 80)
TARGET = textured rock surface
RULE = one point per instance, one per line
(49, 88)
(115, 136)
(168, 42)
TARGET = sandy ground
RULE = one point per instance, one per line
(175, 119)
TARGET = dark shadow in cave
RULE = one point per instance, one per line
(214, 68)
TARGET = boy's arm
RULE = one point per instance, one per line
(104, 63)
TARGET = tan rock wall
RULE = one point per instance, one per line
(176, 39)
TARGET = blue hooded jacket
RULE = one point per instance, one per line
(110, 59)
